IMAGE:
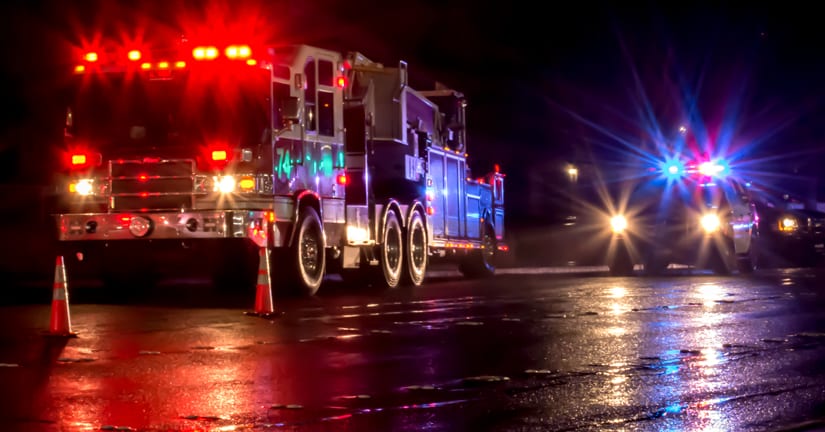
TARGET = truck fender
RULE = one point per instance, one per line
(415, 206)
(394, 205)
(304, 198)
(487, 217)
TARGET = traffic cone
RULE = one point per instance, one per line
(264, 305)
(60, 323)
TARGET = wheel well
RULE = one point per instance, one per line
(305, 199)
(415, 207)
(487, 221)
(391, 205)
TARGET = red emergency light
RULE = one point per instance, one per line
(342, 179)
(217, 156)
(82, 159)
(205, 53)
(237, 52)
(124, 58)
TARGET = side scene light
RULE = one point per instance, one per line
(357, 234)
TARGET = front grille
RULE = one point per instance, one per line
(152, 185)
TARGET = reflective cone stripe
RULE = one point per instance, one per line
(263, 290)
(60, 322)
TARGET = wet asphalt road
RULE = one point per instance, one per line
(521, 352)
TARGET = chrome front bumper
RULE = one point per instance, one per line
(190, 225)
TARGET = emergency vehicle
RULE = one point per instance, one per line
(688, 213)
(210, 151)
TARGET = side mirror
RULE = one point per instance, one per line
(290, 110)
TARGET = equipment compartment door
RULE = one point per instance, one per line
(454, 197)
(436, 167)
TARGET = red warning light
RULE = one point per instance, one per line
(90, 57)
(78, 159)
(218, 155)
(341, 81)
(134, 55)
(205, 53)
(342, 179)
(82, 159)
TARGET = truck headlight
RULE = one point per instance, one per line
(710, 222)
(618, 224)
(225, 184)
(788, 224)
(83, 187)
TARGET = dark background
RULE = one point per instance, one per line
(548, 84)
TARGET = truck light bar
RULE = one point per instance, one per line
(116, 60)
(205, 53)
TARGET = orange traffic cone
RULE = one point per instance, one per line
(264, 305)
(60, 324)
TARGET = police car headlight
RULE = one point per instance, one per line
(618, 224)
(710, 222)
(788, 224)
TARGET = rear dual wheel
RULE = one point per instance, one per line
(481, 263)
(416, 255)
(391, 256)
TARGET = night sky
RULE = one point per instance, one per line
(544, 81)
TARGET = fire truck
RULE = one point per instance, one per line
(209, 153)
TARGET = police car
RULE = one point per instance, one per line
(693, 214)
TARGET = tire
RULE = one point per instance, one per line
(416, 255)
(751, 261)
(654, 266)
(719, 260)
(307, 256)
(481, 263)
(620, 264)
(391, 251)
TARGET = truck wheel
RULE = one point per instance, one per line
(308, 258)
(391, 253)
(481, 263)
(415, 252)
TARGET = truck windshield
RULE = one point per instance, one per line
(121, 111)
